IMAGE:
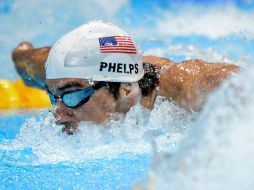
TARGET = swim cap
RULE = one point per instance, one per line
(97, 51)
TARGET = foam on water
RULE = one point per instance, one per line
(132, 133)
(218, 152)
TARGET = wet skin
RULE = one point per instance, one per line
(99, 107)
(187, 84)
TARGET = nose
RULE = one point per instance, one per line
(62, 113)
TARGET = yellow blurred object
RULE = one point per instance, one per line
(18, 95)
(9, 97)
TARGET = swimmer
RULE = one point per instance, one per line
(97, 70)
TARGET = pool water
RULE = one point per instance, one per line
(166, 148)
(35, 154)
(122, 172)
(218, 152)
(20, 169)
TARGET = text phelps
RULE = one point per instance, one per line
(119, 67)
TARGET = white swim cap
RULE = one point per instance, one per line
(97, 51)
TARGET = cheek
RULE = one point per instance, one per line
(103, 101)
(97, 109)
(86, 111)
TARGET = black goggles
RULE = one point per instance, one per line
(75, 98)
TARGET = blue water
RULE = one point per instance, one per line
(210, 150)
(119, 173)
(19, 169)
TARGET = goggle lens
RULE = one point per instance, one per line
(75, 98)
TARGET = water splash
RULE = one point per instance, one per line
(130, 133)
(218, 153)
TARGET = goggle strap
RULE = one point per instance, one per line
(99, 85)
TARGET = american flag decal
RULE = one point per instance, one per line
(117, 44)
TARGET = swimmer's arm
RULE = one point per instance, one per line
(188, 83)
(29, 63)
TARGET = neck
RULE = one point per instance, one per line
(148, 101)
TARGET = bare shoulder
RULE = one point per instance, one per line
(196, 66)
(202, 78)
(25, 50)
(157, 61)
(29, 63)
(188, 83)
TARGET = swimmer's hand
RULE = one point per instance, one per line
(29, 63)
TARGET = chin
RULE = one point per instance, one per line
(70, 128)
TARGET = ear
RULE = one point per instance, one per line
(129, 94)
(129, 90)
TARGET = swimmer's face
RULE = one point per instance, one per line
(97, 109)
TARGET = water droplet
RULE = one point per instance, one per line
(90, 81)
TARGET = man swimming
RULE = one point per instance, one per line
(97, 70)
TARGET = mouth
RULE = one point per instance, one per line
(68, 127)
